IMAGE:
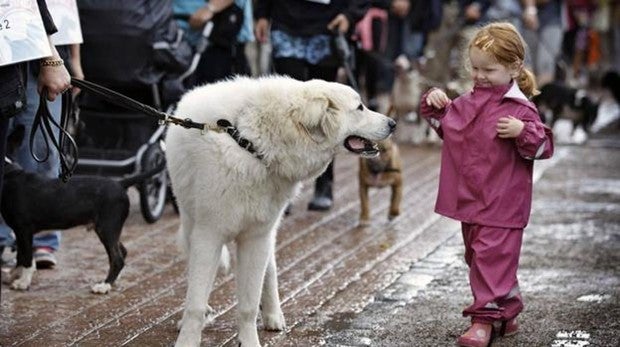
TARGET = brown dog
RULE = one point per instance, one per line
(383, 170)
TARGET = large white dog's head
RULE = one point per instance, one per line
(336, 116)
(312, 121)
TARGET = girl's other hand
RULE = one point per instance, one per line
(438, 99)
(509, 127)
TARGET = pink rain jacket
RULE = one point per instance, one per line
(484, 179)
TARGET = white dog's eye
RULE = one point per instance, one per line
(360, 107)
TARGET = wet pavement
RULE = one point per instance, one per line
(399, 283)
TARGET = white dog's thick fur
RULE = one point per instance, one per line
(226, 194)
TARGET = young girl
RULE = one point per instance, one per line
(491, 136)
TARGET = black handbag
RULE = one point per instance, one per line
(226, 26)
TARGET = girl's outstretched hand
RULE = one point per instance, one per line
(438, 99)
(509, 127)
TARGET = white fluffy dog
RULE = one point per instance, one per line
(227, 194)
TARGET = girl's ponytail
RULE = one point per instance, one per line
(527, 82)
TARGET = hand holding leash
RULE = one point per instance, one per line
(339, 23)
(344, 55)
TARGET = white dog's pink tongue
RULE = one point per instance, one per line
(356, 143)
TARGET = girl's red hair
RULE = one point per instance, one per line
(502, 41)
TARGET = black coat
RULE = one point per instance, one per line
(308, 18)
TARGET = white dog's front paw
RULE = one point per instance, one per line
(190, 327)
(248, 337)
(21, 283)
(101, 288)
(273, 321)
(209, 318)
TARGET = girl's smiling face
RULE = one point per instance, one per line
(486, 71)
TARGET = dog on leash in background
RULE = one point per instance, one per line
(32, 203)
(404, 102)
(378, 172)
(570, 112)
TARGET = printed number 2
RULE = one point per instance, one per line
(6, 25)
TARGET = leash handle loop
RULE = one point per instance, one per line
(43, 122)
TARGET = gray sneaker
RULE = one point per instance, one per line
(44, 258)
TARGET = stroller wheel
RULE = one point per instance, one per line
(153, 190)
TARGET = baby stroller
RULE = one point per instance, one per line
(131, 47)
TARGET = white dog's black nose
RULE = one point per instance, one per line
(392, 125)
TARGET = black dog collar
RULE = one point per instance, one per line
(234, 133)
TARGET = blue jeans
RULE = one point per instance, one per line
(22, 156)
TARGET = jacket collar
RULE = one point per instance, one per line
(515, 93)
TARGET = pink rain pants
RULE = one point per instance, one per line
(492, 255)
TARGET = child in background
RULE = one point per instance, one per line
(491, 135)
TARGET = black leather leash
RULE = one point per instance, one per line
(44, 122)
(344, 54)
(119, 99)
(129, 103)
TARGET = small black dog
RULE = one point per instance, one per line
(32, 203)
(566, 102)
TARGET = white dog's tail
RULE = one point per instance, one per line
(183, 245)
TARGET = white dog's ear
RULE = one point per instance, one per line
(318, 118)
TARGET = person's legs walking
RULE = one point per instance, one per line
(323, 190)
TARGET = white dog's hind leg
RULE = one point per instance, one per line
(204, 254)
(253, 253)
(271, 312)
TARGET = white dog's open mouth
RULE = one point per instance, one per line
(361, 146)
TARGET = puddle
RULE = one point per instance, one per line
(576, 334)
(597, 298)
(576, 338)
(569, 343)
